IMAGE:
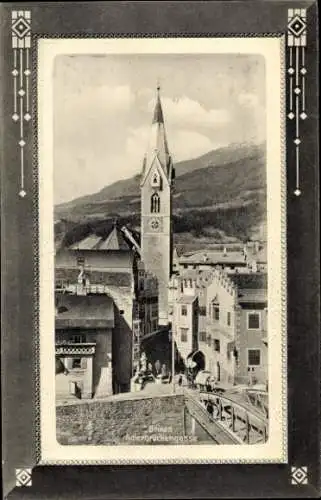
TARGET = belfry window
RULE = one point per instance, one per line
(155, 203)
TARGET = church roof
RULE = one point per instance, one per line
(114, 240)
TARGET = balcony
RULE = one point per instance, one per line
(216, 329)
(68, 348)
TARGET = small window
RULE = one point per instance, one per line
(184, 332)
(254, 357)
(80, 261)
(202, 311)
(228, 319)
(76, 363)
(185, 266)
(209, 340)
(253, 321)
(202, 336)
(216, 312)
(216, 345)
(184, 311)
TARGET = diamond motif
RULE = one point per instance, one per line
(296, 26)
(303, 71)
(297, 90)
(297, 192)
(303, 115)
(291, 71)
(27, 72)
(21, 92)
(297, 141)
(22, 143)
(23, 476)
(291, 115)
(21, 27)
(27, 117)
(299, 475)
(22, 193)
(15, 72)
(15, 117)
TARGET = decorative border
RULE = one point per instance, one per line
(297, 41)
(299, 475)
(23, 477)
(21, 43)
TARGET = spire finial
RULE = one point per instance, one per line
(158, 86)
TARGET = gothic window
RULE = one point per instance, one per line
(155, 203)
(156, 180)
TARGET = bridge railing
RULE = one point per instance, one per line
(246, 422)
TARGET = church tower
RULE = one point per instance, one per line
(156, 209)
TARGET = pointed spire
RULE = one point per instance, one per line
(158, 112)
(158, 146)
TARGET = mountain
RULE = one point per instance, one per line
(222, 191)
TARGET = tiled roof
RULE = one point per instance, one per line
(252, 295)
(84, 311)
(115, 240)
(214, 258)
(249, 281)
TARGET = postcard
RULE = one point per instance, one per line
(160, 255)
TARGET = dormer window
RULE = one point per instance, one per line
(155, 203)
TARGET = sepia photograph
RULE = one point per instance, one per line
(160, 249)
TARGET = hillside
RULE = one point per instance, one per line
(220, 194)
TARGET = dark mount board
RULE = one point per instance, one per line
(19, 281)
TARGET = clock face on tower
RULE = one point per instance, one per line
(155, 224)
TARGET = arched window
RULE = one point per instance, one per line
(155, 203)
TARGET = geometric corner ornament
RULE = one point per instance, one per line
(21, 72)
(23, 477)
(296, 71)
(299, 475)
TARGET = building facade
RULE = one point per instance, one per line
(93, 267)
(84, 328)
(228, 312)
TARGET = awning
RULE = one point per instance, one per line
(202, 377)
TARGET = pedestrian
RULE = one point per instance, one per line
(180, 380)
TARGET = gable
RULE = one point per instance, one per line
(154, 166)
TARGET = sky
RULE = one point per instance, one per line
(103, 108)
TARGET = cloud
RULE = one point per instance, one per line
(247, 99)
(186, 112)
(183, 144)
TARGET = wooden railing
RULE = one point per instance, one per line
(241, 418)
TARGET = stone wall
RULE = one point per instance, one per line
(121, 422)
